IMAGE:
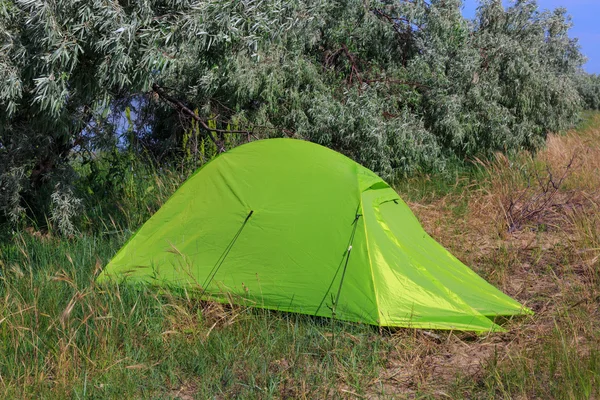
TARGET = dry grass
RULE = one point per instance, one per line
(551, 263)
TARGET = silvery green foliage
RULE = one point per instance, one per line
(64, 208)
(291, 92)
(56, 50)
(500, 82)
(391, 146)
(457, 88)
(534, 65)
(11, 185)
(66, 63)
(400, 86)
(588, 86)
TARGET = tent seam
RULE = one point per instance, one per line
(370, 261)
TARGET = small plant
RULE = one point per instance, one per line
(11, 186)
(539, 202)
(64, 208)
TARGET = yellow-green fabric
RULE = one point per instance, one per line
(290, 225)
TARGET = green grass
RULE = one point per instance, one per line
(63, 337)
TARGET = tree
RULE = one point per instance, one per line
(588, 86)
(66, 63)
(399, 86)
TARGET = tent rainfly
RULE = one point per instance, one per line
(290, 225)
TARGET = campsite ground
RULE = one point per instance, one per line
(530, 225)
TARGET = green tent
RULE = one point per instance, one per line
(290, 225)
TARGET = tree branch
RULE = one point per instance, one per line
(186, 110)
(396, 81)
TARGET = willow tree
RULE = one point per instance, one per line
(588, 86)
(399, 86)
(65, 63)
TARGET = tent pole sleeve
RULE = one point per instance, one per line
(345, 258)
(337, 297)
(223, 255)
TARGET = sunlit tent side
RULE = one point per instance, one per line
(293, 226)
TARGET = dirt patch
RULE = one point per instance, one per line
(186, 391)
(428, 362)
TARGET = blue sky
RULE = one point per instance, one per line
(586, 19)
